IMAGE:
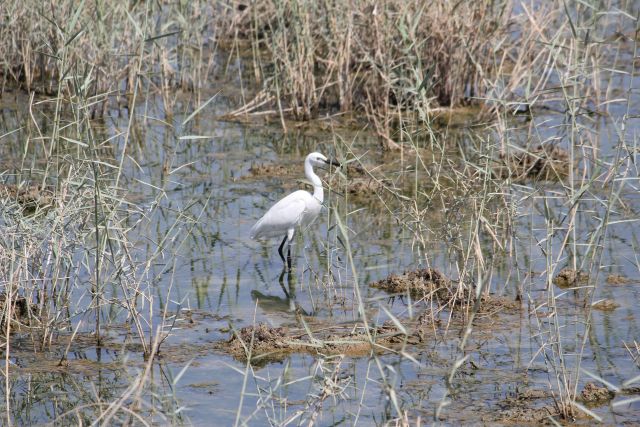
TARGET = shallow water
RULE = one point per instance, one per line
(215, 278)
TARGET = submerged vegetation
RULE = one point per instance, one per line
(479, 244)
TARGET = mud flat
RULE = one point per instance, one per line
(263, 343)
(541, 162)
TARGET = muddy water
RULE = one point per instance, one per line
(218, 280)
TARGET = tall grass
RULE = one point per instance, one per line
(69, 266)
(393, 60)
(107, 42)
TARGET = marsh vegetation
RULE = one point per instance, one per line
(475, 262)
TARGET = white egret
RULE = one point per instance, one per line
(296, 210)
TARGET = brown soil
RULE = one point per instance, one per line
(594, 394)
(534, 394)
(606, 305)
(259, 340)
(568, 277)
(429, 283)
(630, 390)
(354, 169)
(357, 343)
(266, 344)
(269, 170)
(527, 407)
(357, 183)
(519, 413)
(419, 283)
(546, 162)
(618, 279)
(274, 343)
(493, 304)
(30, 196)
(462, 116)
(19, 305)
(364, 187)
(21, 314)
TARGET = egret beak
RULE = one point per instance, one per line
(332, 162)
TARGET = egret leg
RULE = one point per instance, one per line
(290, 234)
(280, 249)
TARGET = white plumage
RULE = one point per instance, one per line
(294, 211)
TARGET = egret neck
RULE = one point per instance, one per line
(318, 192)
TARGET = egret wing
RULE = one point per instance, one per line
(282, 216)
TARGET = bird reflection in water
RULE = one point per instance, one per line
(273, 303)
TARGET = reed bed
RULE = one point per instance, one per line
(116, 44)
(69, 263)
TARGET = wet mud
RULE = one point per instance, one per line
(618, 279)
(593, 394)
(269, 170)
(605, 305)
(568, 277)
(419, 283)
(542, 162)
(431, 284)
(530, 407)
(22, 314)
(28, 196)
(358, 182)
(263, 343)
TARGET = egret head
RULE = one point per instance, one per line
(317, 159)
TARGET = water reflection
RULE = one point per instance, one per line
(277, 303)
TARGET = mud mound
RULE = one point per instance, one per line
(364, 186)
(618, 279)
(355, 169)
(545, 162)
(265, 344)
(534, 394)
(29, 196)
(419, 283)
(534, 406)
(272, 344)
(358, 343)
(594, 394)
(258, 340)
(429, 283)
(519, 413)
(357, 182)
(21, 312)
(493, 304)
(605, 305)
(526, 407)
(268, 344)
(568, 277)
(268, 170)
